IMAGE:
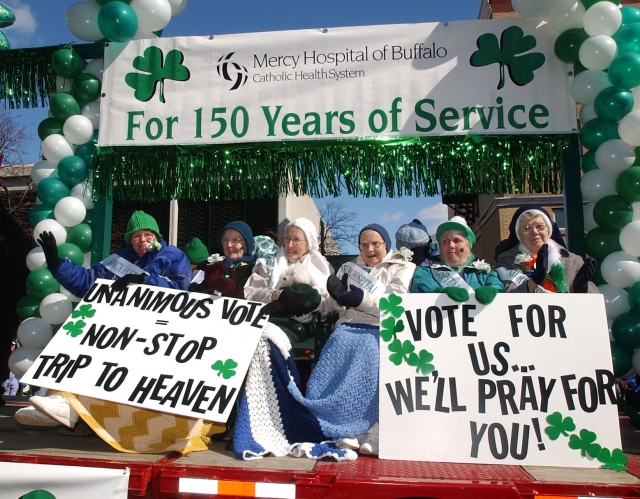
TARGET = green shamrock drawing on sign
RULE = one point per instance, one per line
(401, 350)
(585, 443)
(422, 361)
(226, 368)
(392, 306)
(559, 426)
(615, 460)
(74, 328)
(84, 312)
(152, 62)
(506, 53)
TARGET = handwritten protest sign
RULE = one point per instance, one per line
(156, 348)
(527, 379)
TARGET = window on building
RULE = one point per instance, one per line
(560, 219)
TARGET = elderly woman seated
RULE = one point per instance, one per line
(534, 258)
(457, 273)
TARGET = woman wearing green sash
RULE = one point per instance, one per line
(457, 272)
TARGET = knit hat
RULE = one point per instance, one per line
(380, 230)
(196, 251)
(141, 221)
(310, 232)
(247, 235)
(412, 235)
(538, 213)
(458, 224)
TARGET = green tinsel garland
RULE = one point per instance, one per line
(26, 77)
(426, 166)
(558, 277)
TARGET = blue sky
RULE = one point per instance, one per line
(42, 22)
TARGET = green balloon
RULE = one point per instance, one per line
(601, 242)
(86, 87)
(626, 329)
(117, 21)
(589, 161)
(51, 190)
(64, 105)
(88, 219)
(40, 212)
(612, 212)
(67, 63)
(72, 170)
(568, 43)
(622, 357)
(633, 296)
(72, 252)
(627, 184)
(86, 152)
(80, 236)
(630, 15)
(636, 162)
(597, 278)
(49, 126)
(578, 68)
(589, 3)
(597, 131)
(28, 306)
(624, 70)
(41, 283)
(613, 103)
(627, 39)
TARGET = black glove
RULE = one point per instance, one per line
(337, 287)
(351, 298)
(274, 308)
(48, 243)
(584, 275)
(126, 280)
(542, 265)
(293, 304)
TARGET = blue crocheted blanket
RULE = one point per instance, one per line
(341, 401)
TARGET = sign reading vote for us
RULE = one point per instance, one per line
(527, 379)
(155, 348)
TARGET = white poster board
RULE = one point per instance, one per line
(154, 348)
(422, 79)
(527, 379)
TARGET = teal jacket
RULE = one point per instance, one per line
(425, 282)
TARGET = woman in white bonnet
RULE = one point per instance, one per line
(300, 245)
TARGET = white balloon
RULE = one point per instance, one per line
(636, 210)
(587, 113)
(615, 156)
(616, 301)
(70, 211)
(629, 128)
(70, 295)
(178, 6)
(55, 308)
(87, 260)
(78, 129)
(566, 14)
(597, 52)
(531, 8)
(596, 184)
(48, 225)
(152, 14)
(602, 18)
(630, 238)
(620, 269)
(84, 192)
(34, 333)
(63, 84)
(21, 359)
(55, 147)
(587, 215)
(82, 21)
(36, 259)
(635, 92)
(588, 84)
(92, 111)
(41, 170)
(144, 35)
(96, 68)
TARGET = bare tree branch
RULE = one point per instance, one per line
(338, 224)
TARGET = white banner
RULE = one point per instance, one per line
(361, 278)
(527, 379)
(479, 77)
(154, 348)
(63, 482)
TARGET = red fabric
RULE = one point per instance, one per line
(218, 277)
(547, 284)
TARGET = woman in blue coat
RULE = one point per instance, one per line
(457, 272)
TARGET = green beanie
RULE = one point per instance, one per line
(196, 251)
(38, 494)
(139, 221)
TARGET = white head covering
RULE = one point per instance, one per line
(316, 264)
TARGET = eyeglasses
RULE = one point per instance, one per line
(539, 228)
(147, 236)
(295, 242)
(373, 244)
(234, 242)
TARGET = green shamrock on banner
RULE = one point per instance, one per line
(74, 328)
(84, 312)
(226, 369)
(152, 62)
